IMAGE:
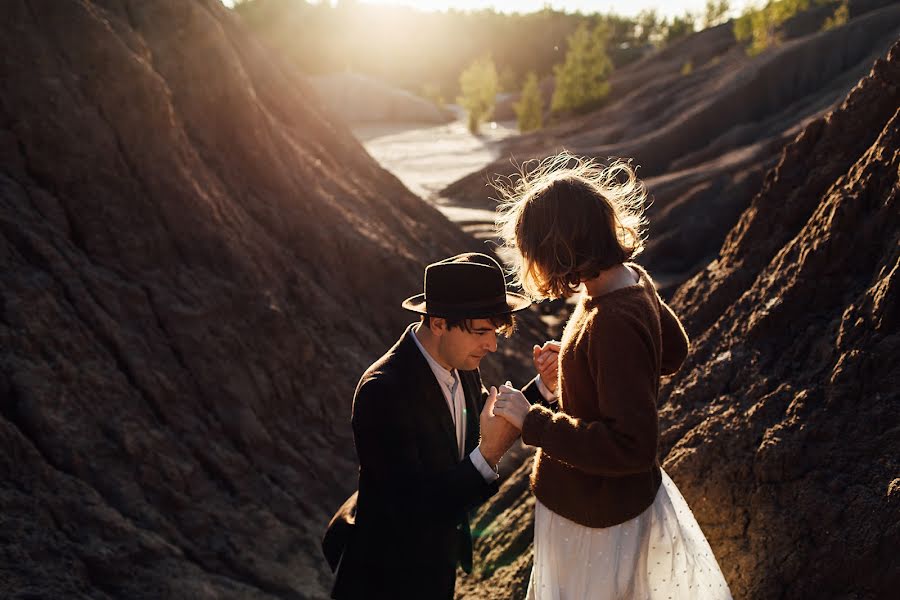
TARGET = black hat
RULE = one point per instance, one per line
(466, 286)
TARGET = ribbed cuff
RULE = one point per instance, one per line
(535, 422)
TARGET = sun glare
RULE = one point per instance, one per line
(631, 7)
(621, 7)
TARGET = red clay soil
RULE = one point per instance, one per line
(705, 140)
(781, 428)
(198, 263)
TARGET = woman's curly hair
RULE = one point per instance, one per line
(568, 218)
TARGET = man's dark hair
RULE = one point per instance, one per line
(504, 324)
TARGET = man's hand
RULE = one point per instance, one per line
(512, 405)
(497, 435)
(546, 363)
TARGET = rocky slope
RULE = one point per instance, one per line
(783, 425)
(198, 262)
(359, 99)
(705, 122)
(781, 428)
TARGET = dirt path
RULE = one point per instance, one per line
(427, 159)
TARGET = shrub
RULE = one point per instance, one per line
(840, 17)
(680, 27)
(759, 26)
(530, 107)
(479, 84)
(716, 12)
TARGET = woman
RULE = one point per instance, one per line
(609, 523)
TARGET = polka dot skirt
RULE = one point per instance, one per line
(659, 555)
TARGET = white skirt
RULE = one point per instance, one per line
(660, 554)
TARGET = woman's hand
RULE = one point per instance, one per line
(546, 363)
(512, 405)
(497, 435)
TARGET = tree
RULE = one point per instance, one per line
(760, 26)
(716, 12)
(479, 84)
(648, 27)
(581, 81)
(680, 27)
(840, 17)
(530, 107)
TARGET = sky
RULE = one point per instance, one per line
(621, 7)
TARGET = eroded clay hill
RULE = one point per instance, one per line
(705, 122)
(197, 264)
(781, 428)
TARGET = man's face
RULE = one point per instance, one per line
(463, 349)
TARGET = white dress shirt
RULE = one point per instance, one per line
(545, 392)
(451, 387)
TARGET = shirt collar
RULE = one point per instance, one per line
(445, 377)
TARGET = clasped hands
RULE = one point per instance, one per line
(505, 410)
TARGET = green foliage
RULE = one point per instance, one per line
(743, 26)
(408, 48)
(530, 107)
(479, 85)
(759, 26)
(840, 17)
(716, 13)
(581, 80)
(680, 27)
(687, 68)
(649, 28)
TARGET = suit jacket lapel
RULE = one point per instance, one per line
(433, 404)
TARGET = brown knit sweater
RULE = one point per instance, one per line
(596, 462)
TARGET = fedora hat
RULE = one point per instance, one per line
(465, 286)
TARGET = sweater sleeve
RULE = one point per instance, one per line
(675, 343)
(625, 383)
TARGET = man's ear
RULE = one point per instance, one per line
(438, 325)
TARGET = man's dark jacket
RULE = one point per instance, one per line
(402, 534)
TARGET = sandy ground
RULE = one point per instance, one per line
(427, 159)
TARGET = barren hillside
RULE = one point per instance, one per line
(198, 263)
(704, 137)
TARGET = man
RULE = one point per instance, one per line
(417, 415)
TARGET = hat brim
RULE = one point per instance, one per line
(514, 303)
